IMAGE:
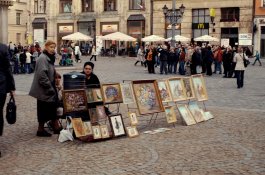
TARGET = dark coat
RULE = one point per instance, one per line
(93, 81)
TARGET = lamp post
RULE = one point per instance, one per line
(173, 16)
(212, 15)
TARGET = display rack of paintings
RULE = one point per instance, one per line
(164, 91)
(199, 87)
(117, 125)
(197, 113)
(170, 114)
(177, 89)
(188, 85)
(186, 114)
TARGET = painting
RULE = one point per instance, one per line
(147, 96)
(78, 126)
(133, 118)
(164, 91)
(188, 88)
(74, 100)
(199, 87)
(208, 115)
(186, 114)
(111, 93)
(101, 114)
(96, 132)
(93, 115)
(132, 131)
(198, 114)
(117, 125)
(127, 93)
(104, 131)
(89, 96)
(170, 114)
(97, 96)
(177, 89)
(88, 128)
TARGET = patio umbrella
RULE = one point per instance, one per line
(153, 38)
(206, 38)
(77, 37)
(180, 38)
(118, 36)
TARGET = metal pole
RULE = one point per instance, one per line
(173, 23)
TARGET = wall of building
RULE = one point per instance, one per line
(259, 22)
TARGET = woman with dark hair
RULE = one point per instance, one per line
(91, 78)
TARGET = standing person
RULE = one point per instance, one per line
(28, 61)
(140, 55)
(175, 61)
(44, 90)
(171, 59)
(163, 59)
(22, 60)
(195, 61)
(257, 58)
(77, 53)
(93, 53)
(227, 62)
(182, 57)
(209, 60)
(240, 68)
(7, 83)
(151, 60)
(218, 60)
(203, 53)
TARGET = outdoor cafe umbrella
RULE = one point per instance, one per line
(206, 38)
(77, 37)
(118, 36)
(179, 38)
(153, 38)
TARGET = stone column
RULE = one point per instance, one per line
(4, 20)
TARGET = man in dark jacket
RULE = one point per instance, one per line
(163, 59)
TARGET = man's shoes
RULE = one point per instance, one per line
(43, 134)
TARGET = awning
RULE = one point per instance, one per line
(136, 18)
(39, 21)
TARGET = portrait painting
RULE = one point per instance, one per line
(196, 111)
(96, 132)
(127, 93)
(132, 131)
(199, 87)
(186, 114)
(147, 96)
(164, 91)
(117, 125)
(188, 85)
(177, 89)
(74, 100)
(170, 114)
(208, 115)
(104, 131)
(88, 128)
(111, 93)
(133, 118)
(101, 114)
(78, 127)
(97, 96)
(93, 115)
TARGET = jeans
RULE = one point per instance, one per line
(181, 68)
(175, 64)
(240, 78)
(163, 67)
(28, 68)
(217, 67)
(2, 103)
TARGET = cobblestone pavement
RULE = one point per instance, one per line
(231, 144)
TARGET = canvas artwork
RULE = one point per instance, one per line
(89, 95)
(93, 115)
(133, 118)
(74, 100)
(96, 132)
(208, 115)
(111, 93)
(147, 96)
(177, 89)
(164, 91)
(198, 114)
(199, 87)
(170, 114)
(97, 96)
(127, 93)
(186, 115)
(78, 126)
(117, 125)
(101, 114)
(104, 131)
(132, 131)
(189, 88)
(88, 128)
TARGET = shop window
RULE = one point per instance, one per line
(110, 5)
(200, 16)
(136, 29)
(87, 5)
(136, 4)
(229, 14)
(65, 6)
(39, 6)
(18, 18)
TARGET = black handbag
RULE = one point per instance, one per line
(11, 111)
(246, 62)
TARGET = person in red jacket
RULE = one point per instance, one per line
(218, 58)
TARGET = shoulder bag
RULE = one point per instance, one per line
(11, 111)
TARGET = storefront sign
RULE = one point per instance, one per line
(245, 39)
(225, 42)
(39, 36)
(66, 29)
(109, 28)
(200, 25)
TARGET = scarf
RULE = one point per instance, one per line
(51, 56)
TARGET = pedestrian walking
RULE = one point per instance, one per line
(28, 62)
(94, 53)
(140, 56)
(227, 62)
(77, 53)
(257, 58)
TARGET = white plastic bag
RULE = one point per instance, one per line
(66, 134)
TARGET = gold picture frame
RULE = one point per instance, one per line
(111, 93)
(96, 132)
(177, 89)
(188, 84)
(164, 91)
(127, 93)
(104, 131)
(186, 114)
(196, 111)
(78, 127)
(199, 87)
(133, 118)
(171, 115)
(74, 100)
(88, 128)
(132, 131)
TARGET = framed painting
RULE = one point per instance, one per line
(111, 93)
(93, 115)
(101, 114)
(164, 91)
(170, 114)
(104, 131)
(88, 128)
(96, 132)
(147, 96)
(74, 100)
(196, 111)
(132, 131)
(127, 93)
(89, 95)
(117, 125)
(186, 114)
(177, 89)
(133, 118)
(199, 87)
(78, 127)
(188, 85)
(97, 95)
(208, 115)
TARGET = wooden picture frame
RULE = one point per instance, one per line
(89, 95)
(208, 115)
(101, 114)
(133, 118)
(199, 87)
(74, 100)
(127, 93)
(177, 89)
(171, 115)
(186, 114)
(164, 91)
(88, 128)
(96, 132)
(104, 131)
(147, 96)
(111, 93)
(93, 115)
(196, 111)
(188, 84)
(78, 127)
(97, 95)
(117, 125)
(132, 131)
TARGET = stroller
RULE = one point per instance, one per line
(66, 60)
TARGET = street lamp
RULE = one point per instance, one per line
(174, 16)
(212, 15)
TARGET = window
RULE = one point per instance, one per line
(136, 29)
(110, 5)
(18, 17)
(263, 3)
(200, 16)
(87, 6)
(136, 4)
(65, 6)
(229, 14)
(18, 37)
(39, 6)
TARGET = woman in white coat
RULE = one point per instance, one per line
(94, 53)
(77, 53)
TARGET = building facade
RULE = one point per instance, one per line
(259, 27)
